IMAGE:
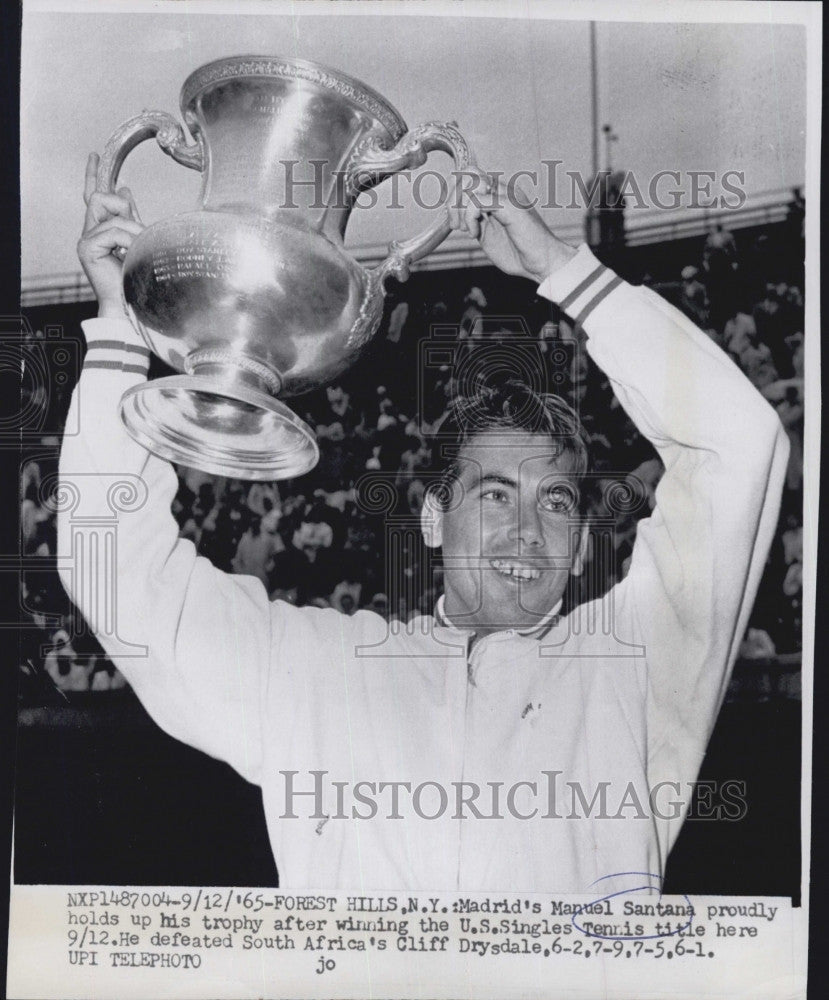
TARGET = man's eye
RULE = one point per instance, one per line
(560, 499)
(499, 496)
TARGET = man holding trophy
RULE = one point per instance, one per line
(438, 757)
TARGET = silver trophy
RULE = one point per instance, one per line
(252, 296)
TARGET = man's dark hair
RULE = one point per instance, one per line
(511, 405)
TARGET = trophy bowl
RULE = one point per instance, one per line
(252, 296)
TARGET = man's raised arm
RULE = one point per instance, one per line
(698, 558)
(193, 642)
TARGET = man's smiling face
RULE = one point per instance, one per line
(510, 533)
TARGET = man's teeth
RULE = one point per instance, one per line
(513, 569)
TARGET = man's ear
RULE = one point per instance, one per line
(431, 521)
(581, 541)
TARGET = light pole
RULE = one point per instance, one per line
(594, 100)
(609, 138)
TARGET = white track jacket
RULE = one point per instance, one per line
(392, 757)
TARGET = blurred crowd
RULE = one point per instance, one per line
(345, 535)
(758, 320)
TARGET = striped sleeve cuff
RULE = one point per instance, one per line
(580, 285)
(113, 345)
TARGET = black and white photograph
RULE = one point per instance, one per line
(418, 476)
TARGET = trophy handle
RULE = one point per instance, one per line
(372, 161)
(168, 134)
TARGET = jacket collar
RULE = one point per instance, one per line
(537, 631)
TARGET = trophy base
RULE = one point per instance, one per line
(219, 425)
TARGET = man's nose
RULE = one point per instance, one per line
(528, 530)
